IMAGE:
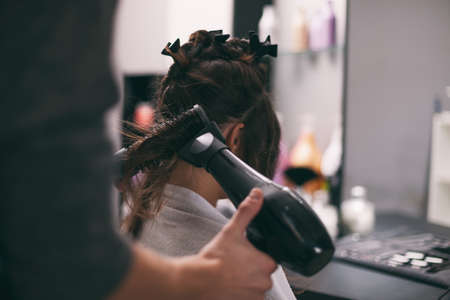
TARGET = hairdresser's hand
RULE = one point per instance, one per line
(229, 267)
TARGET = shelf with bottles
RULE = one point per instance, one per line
(311, 39)
(305, 27)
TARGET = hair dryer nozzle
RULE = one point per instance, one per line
(208, 141)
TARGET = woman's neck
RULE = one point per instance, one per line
(197, 180)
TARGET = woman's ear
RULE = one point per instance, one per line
(233, 136)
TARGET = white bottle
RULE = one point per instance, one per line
(267, 24)
(358, 214)
(326, 212)
(331, 159)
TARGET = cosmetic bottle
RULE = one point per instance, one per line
(316, 31)
(332, 165)
(332, 156)
(358, 214)
(144, 115)
(267, 24)
(306, 154)
(300, 40)
(329, 25)
(327, 213)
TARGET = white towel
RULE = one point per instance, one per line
(187, 222)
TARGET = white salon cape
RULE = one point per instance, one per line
(187, 222)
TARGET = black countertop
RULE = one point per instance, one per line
(341, 280)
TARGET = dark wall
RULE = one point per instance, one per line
(246, 15)
(398, 63)
(138, 89)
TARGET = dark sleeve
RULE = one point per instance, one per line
(58, 238)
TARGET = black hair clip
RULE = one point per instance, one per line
(219, 37)
(222, 38)
(264, 48)
(173, 47)
(216, 32)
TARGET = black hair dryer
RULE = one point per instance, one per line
(286, 228)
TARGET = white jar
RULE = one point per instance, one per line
(358, 214)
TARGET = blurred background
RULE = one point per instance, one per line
(362, 90)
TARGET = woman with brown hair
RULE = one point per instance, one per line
(172, 203)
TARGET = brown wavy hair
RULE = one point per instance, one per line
(229, 81)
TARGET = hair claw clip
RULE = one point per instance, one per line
(216, 32)
(221, 38)
(173, 47)
(261, 49)
(254, 41)
(267, 41)
(270, 49)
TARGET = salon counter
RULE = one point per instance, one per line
(341, 280)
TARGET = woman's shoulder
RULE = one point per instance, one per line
(177, 232)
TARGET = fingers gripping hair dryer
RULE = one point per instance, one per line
(286, 228)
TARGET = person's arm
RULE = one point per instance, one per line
(58, 238)
(229, 267)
